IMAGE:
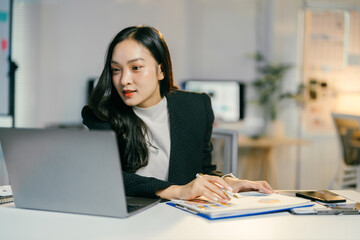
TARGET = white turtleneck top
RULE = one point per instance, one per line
(157, 120)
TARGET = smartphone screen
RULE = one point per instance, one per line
(322, 196)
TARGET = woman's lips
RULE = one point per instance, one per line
(128, 93)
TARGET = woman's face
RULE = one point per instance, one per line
(136, 74)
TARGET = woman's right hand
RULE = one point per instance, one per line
(211, 187)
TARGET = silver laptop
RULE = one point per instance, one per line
(68, 170)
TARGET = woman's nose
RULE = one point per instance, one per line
(126, 78)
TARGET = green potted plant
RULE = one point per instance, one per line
(268, 86)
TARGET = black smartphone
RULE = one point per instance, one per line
(324, 196)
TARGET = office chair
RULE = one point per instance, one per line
(348, 132)
(225, 142)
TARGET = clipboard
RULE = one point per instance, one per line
(244, 204)
(226, 217)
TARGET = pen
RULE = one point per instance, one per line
(199, 175)
(226, 191)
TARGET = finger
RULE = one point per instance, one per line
(215, 197)
(218, 190)
(264, 187)
(255, 185)
(212, 196)
(267, 185)
(212, 190)
(221, 183)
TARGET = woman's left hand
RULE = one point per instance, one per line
(240, 185)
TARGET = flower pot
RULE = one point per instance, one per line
(275, 129)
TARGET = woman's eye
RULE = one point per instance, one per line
(136, 68)
(115, 70)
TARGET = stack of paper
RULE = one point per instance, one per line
(5, 194)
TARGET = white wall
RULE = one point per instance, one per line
(207, 39)
(220, 35)
(73, 37)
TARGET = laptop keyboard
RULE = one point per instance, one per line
(133, 207)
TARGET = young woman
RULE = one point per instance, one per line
(163, 133)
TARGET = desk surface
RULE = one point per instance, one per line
(166, 222)
(244, 141)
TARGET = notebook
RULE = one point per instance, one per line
(68, 170)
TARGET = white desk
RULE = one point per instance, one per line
(165, 222)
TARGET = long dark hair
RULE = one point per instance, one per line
(107, 105)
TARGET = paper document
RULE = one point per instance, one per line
(319, 208)
(6, 194)
(5, 191)
(241, 205)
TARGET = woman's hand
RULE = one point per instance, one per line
(240, 185)
(212, 187)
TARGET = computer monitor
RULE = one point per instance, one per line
(227, 97)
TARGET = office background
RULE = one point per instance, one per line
(60, 45)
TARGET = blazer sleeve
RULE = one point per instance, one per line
(135, 185)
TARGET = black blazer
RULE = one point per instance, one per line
(191, 119)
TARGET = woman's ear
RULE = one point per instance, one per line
(160, 73)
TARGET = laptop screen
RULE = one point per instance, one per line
(66, 170)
